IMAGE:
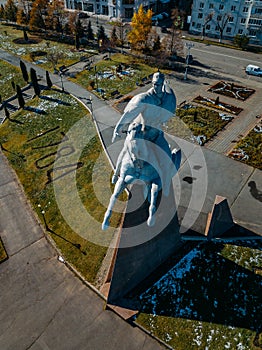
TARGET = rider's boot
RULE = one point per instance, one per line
(151, 218)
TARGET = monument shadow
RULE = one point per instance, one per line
(214, 290)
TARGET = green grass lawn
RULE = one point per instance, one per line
(35, 143)
(199, 120)
(135, 68)
(211, 299)
(9, 73)
(8, 41)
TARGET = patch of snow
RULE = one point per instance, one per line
(168, 337)
(242, 311)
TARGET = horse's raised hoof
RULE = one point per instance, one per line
(105, 223)
(151, 221)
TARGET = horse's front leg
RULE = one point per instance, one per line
(152, 207)
(119, 188)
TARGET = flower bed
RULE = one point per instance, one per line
(218, 105)
(248, 150)
(232, 90)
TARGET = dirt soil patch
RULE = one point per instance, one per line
(222, 106)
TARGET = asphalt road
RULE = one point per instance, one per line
(226, 60)
(215, 58)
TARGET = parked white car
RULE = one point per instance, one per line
(254, 70)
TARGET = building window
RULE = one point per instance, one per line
(221, 7)
(193, 24)
(228, 30)
(88, 7)
(208, 26)
(252, 32)
(201, 5)
(105, 10)
(231, 19)
(243, 20)
(129, 12)
(217, 29)
(200, 15)
(211, 6)
(219, 17)
(240, 31)
(198, 25)
(233, 8)
(258, 10)
(245, 9)
(255, 21)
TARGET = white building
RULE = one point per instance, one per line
(116, 8)
(244, 17)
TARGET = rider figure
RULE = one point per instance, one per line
(152, 109)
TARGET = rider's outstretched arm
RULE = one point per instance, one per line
(132, 110)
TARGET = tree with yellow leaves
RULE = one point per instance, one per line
(141, 24)
(21, 17)
(56, 15)
(37, 14)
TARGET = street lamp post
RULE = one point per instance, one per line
(89, 102)
(121, 26)
(62, 83)
(188, 46)
(96, 78)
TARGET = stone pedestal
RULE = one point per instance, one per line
(220, 219)
(142, 249)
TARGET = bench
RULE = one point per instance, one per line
(115, 94)
(145, 80)
(84, 58)
(63, 69)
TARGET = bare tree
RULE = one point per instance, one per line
(114, 38)
(177, 17)
(24, 5)
(221, 22)
(207, 19)
(153, 42)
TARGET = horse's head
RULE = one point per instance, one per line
(136, 143)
